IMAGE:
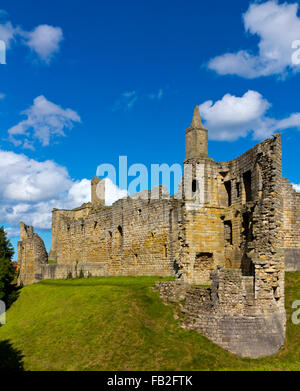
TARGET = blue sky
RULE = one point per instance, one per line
(86, 82)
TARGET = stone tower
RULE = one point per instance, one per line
(196, 138)
(197, 164)
(98, 191)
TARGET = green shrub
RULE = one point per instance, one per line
(8, 288)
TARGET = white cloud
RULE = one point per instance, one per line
(233, 117)
(296, 187)
(80, 192)
(2, 96)
(30, 189)
(8, 33)
(277, 26)
(113, 193)
(45, 41)
(12, 232)
(26, 180)
(45, 120)
(126, 101)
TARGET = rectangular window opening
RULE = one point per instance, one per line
(227, 185)
(247, 185)
(228, 231)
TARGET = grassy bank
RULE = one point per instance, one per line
(119, 323)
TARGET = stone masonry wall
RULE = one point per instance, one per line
(135, 236)
(31, 253)
(243, 311)
(291, 226)
(231, 229)
(226, 314)
(129, 238)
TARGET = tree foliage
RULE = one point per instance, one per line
(6, 248)
(8, 291)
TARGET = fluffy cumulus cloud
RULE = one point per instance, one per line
(44, 40)
(30, 189)
(277, 26)
(80, 192)
(113, 193)
(233, 117)
(44, 120)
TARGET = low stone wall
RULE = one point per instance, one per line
(215, 313)
(292, 259)
(61, 271)
(253, 337)
(291, 226)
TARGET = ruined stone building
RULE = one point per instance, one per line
(233, 227)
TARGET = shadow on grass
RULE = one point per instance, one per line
(12, 295)
(10, 358)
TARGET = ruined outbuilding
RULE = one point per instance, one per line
(233, 227)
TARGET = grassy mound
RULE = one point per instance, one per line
(119, 323)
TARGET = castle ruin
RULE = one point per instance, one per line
(228, 240)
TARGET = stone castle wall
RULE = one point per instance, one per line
(31, 254)
(291, 224)
(243, 311)
(229, 226)
(136, 236)
(130, 238)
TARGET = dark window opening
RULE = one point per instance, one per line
(247, 185)
(228, 190)
(165, 251)
(194, 186)
(238, 189)
(228, 231)
(119, 238)
(247, 267)
(247, 226)
(176, 267)
(95, 224)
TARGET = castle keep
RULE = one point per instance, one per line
(233, 226)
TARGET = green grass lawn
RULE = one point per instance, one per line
(119, 323)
